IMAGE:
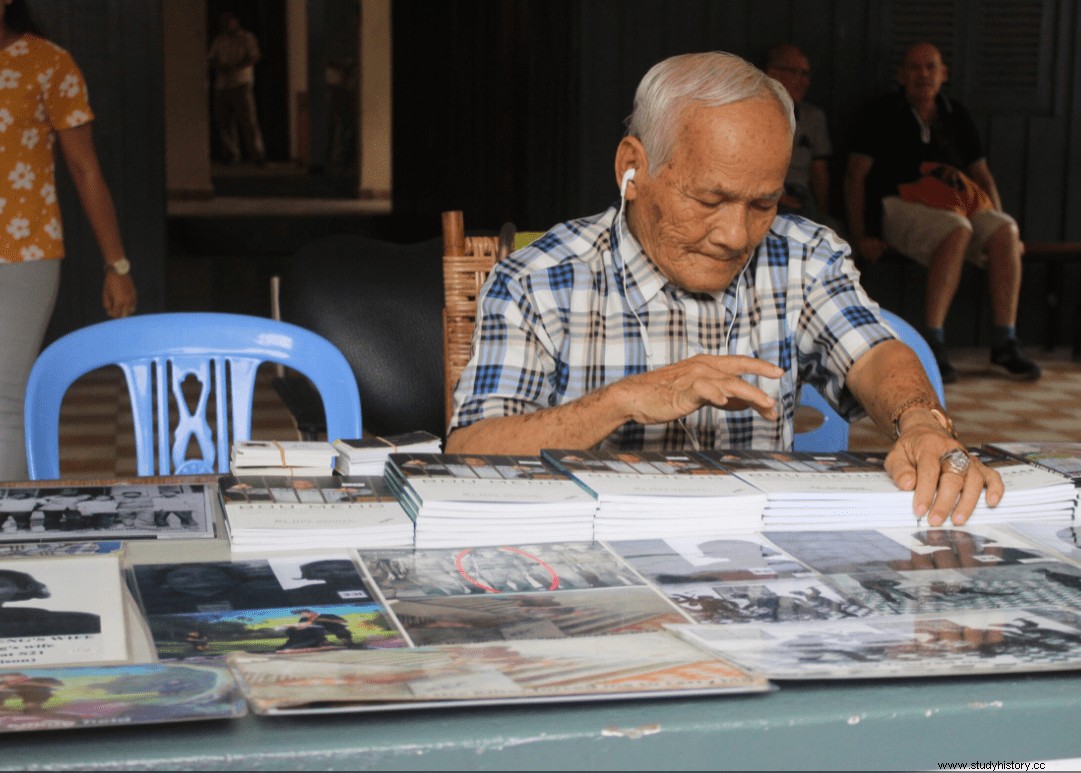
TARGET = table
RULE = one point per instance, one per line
(908, 725)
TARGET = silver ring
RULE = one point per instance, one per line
(956, 461)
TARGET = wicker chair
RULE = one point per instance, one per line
(467, 261)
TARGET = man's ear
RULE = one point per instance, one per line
(630, 154)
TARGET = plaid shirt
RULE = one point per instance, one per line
(555, 323)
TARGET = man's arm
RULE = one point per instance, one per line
(856, 173)
(891, 384)
(653, 397)
(980, 172)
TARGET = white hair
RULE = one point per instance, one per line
(713, 78)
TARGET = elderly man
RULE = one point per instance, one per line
(912, 138)
(688, 314)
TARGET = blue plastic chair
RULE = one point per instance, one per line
(832, 434)
(157, 353)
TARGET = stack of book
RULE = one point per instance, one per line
(368, 455)
(660, 494)
(1033, 493)
(820, 490)
(1063, 457)
(281, 457)
(265, 513)
(459, 500)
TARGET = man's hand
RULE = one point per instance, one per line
(683, 387)
(915, 464)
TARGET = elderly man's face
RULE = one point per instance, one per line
(922, 72)
(706, 210)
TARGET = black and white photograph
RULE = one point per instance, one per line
(121, 511)
(493, 570)
(61, 611)
(740, 557)
(776, 601)
(955, 644)
(938, 590)
(1063, 539)
(320, 579)
(216, 586)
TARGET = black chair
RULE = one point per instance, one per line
(381, 304)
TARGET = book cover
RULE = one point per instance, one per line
(61, 611)
(115, 696)
(281, 604)
(645, 665)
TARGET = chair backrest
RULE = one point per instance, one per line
(828, 437)
(160, 355)
(467, 261)
(832, 434)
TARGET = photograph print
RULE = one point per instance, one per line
(120, 511)
(947, 643)
(558, 566)
(739, 557)
(61, 611)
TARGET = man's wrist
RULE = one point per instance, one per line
(921, 410)
(121, 267)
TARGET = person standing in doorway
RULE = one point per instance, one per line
(233, 55)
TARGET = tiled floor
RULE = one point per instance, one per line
(96, 435)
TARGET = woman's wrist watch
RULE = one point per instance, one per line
(122, 267)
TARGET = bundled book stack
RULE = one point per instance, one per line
(281, 457)
(488, 500)
(660, 494)
(368, 455)
(264, 513)
(812, 490)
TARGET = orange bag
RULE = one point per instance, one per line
(943, 187)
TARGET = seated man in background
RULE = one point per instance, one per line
(807, 184)
(693, 321)
(918, 181)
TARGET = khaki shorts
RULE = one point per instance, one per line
(916, 229)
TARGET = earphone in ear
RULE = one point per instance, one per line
(627, 177)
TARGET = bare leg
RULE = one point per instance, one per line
(944, 275)
(1003, 250)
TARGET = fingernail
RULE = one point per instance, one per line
(921, 510)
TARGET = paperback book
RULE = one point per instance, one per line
(115, 696)
(368, 455)
(488, 500)
(295, 513)
(202, 611)
(651, 665)
(819, 490)
(281, 457)
(109, 511)
(62, 611)
(642, 494)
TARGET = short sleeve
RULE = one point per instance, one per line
(67, 103)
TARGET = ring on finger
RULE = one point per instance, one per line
(956, 461)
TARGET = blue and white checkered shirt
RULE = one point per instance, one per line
(555, 323)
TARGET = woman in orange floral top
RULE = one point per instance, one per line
(42, 99)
